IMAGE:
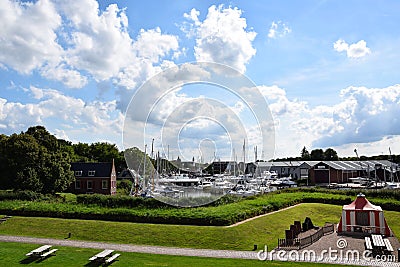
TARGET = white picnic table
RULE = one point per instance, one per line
(377, 241)
(39, 250)
(102, 255)
(368, 244)
(388, 245)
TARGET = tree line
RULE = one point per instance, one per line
(330, 154)
(36, 160)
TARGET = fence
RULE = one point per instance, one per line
(300, 243)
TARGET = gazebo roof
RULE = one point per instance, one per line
(361, 203)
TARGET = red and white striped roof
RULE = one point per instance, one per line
(361, 203)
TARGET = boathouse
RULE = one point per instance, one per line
(328, 172)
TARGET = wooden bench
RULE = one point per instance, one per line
(388, 245)
(112, 258)
(368, 243)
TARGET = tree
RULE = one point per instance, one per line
(4, 179)
(44, 138)
(82, 152)
(34, 161)
(305, 155)
(317, 154)
(330, 154)
(23, 164)
(124, 186)
(106, 152)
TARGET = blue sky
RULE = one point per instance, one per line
(327, 69)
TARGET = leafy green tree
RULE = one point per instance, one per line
(305, 155)
(136, 159)
(44, 138)
(124, 186)
(23, 163)
(317, 154)
(330, 154)
(5, 182)
(106, 152)
(82, 152)
(34, 161)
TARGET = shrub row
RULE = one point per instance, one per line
(132, 202)
(23, 195)
(119, 201)
(369, 193)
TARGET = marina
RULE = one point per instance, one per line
(328, 174)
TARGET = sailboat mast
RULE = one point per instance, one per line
(244, 156)
(144, 165)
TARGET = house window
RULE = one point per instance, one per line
(78, 173)
(91, 173)
(104, 184)
(89, 185)
(77, 184)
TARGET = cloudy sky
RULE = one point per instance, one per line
(328, 70)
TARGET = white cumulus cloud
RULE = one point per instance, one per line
(28, 34)
(74, 42)
(364, 116)
(356, 50)
(222, 37)
(278, 29)
(93, 119)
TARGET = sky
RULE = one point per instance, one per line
(323, 74)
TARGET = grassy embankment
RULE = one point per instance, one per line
(152, 211)
(261, 231)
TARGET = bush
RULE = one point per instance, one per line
(119, 201)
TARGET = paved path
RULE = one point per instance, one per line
(262, 215)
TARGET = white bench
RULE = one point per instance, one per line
(38, 250)
(112, 258)
(377, 241)
(388, 245)
(44, 255)
(368, 243)
(102, 254)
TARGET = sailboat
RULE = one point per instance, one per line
(392, 184)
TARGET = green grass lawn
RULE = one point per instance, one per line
(262, 231)
(13, 254)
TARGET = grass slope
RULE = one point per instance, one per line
(13, 254)
(261, 231)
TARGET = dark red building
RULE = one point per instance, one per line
(90, 178)
(326, 172)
